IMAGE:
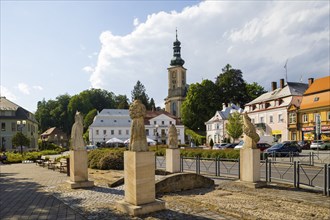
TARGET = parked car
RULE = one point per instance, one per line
(239, 145)
(322, 145)
(219, 146)
(305, 145)
(283, 149)
(263, 146)
(294, 143)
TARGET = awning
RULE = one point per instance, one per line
(275, 132)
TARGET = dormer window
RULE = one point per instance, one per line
(316, 99)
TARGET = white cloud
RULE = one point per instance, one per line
(23, 88)
(4, 92)
(39, 88)
(88, 69)
(136, 22)
(256, 37)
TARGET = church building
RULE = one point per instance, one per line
(177, 87)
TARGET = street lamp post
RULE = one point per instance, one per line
(20, 126)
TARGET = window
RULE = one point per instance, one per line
(147, 132)
(328, 116)
(127, 132)
(13, 126)
(305, 118)
(252, 120)
(114, 120)
(170, 122)
(271, 119)
(119, 132)
(3, 126)
(261, 119)
(316, 99)
(217, 126)
(293, 136)
(178, 131)
(280, 118)
(163, 122)
(112, 132)
(104, 132)
(292, 117)
(316, 115)
(101, 120)
(97, 132)
(155, 122)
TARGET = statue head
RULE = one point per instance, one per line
(137, 109)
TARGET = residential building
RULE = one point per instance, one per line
(56, 136)
(13, 119)
(177, 87)
(216, 126)
(314, 112)
(110, 123)
(269, 112)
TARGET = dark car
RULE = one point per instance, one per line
(263, 146)
(305, 145)
(284, 149)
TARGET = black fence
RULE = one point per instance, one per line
(311, 158)
(293, 172)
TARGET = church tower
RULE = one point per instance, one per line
(177, 87)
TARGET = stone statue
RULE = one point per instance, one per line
(172, 137)
(138, 140)
(77, 141)
(251, 137)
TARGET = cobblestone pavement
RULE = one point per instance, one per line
(32, 192)
(28, 191)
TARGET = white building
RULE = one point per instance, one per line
(216, 126)
(269, 112)
(110, 123)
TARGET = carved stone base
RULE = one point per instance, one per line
(82, 184)
(173, 160)
(136, 210)
(250, 165)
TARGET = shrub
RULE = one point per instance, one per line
(14, 157)
(113, 160)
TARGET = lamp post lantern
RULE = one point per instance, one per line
(20, 126)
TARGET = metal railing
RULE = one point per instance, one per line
(310, 158)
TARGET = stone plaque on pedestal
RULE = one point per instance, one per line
(79, 169)
(173, 160)
(140, 189)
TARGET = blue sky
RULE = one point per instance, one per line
(51, 48)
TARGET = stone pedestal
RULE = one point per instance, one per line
(249, 165)
(140, 193)
(173, 160)
(79, 170)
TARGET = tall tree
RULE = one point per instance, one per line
(234, 127)
(232, 85)
(200, 105)
(139, 92)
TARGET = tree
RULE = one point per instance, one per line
(139, 92)
(234, 126)
(254, 90)
(152, 104)
(88, 120)
(121, 101)
(202, 101)
(20, 140)
(232, 86)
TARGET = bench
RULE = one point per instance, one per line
(62, 165)
(51, 164)
(41, 161)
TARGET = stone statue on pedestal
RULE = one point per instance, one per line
(77, 141)
(251, 137)
(172, 137)
(138, 140)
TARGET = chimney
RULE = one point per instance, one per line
(310, 81)
(282, 83)
(274, 86)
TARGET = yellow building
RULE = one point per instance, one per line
(315, 104)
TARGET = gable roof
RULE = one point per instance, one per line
(5, 104)
(153, 114)
(319, 85)
(290, 89)
(224, 113)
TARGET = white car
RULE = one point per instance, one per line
(239, 145)
(322, 145)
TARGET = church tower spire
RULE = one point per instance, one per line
(177, 60)
(177, 87)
